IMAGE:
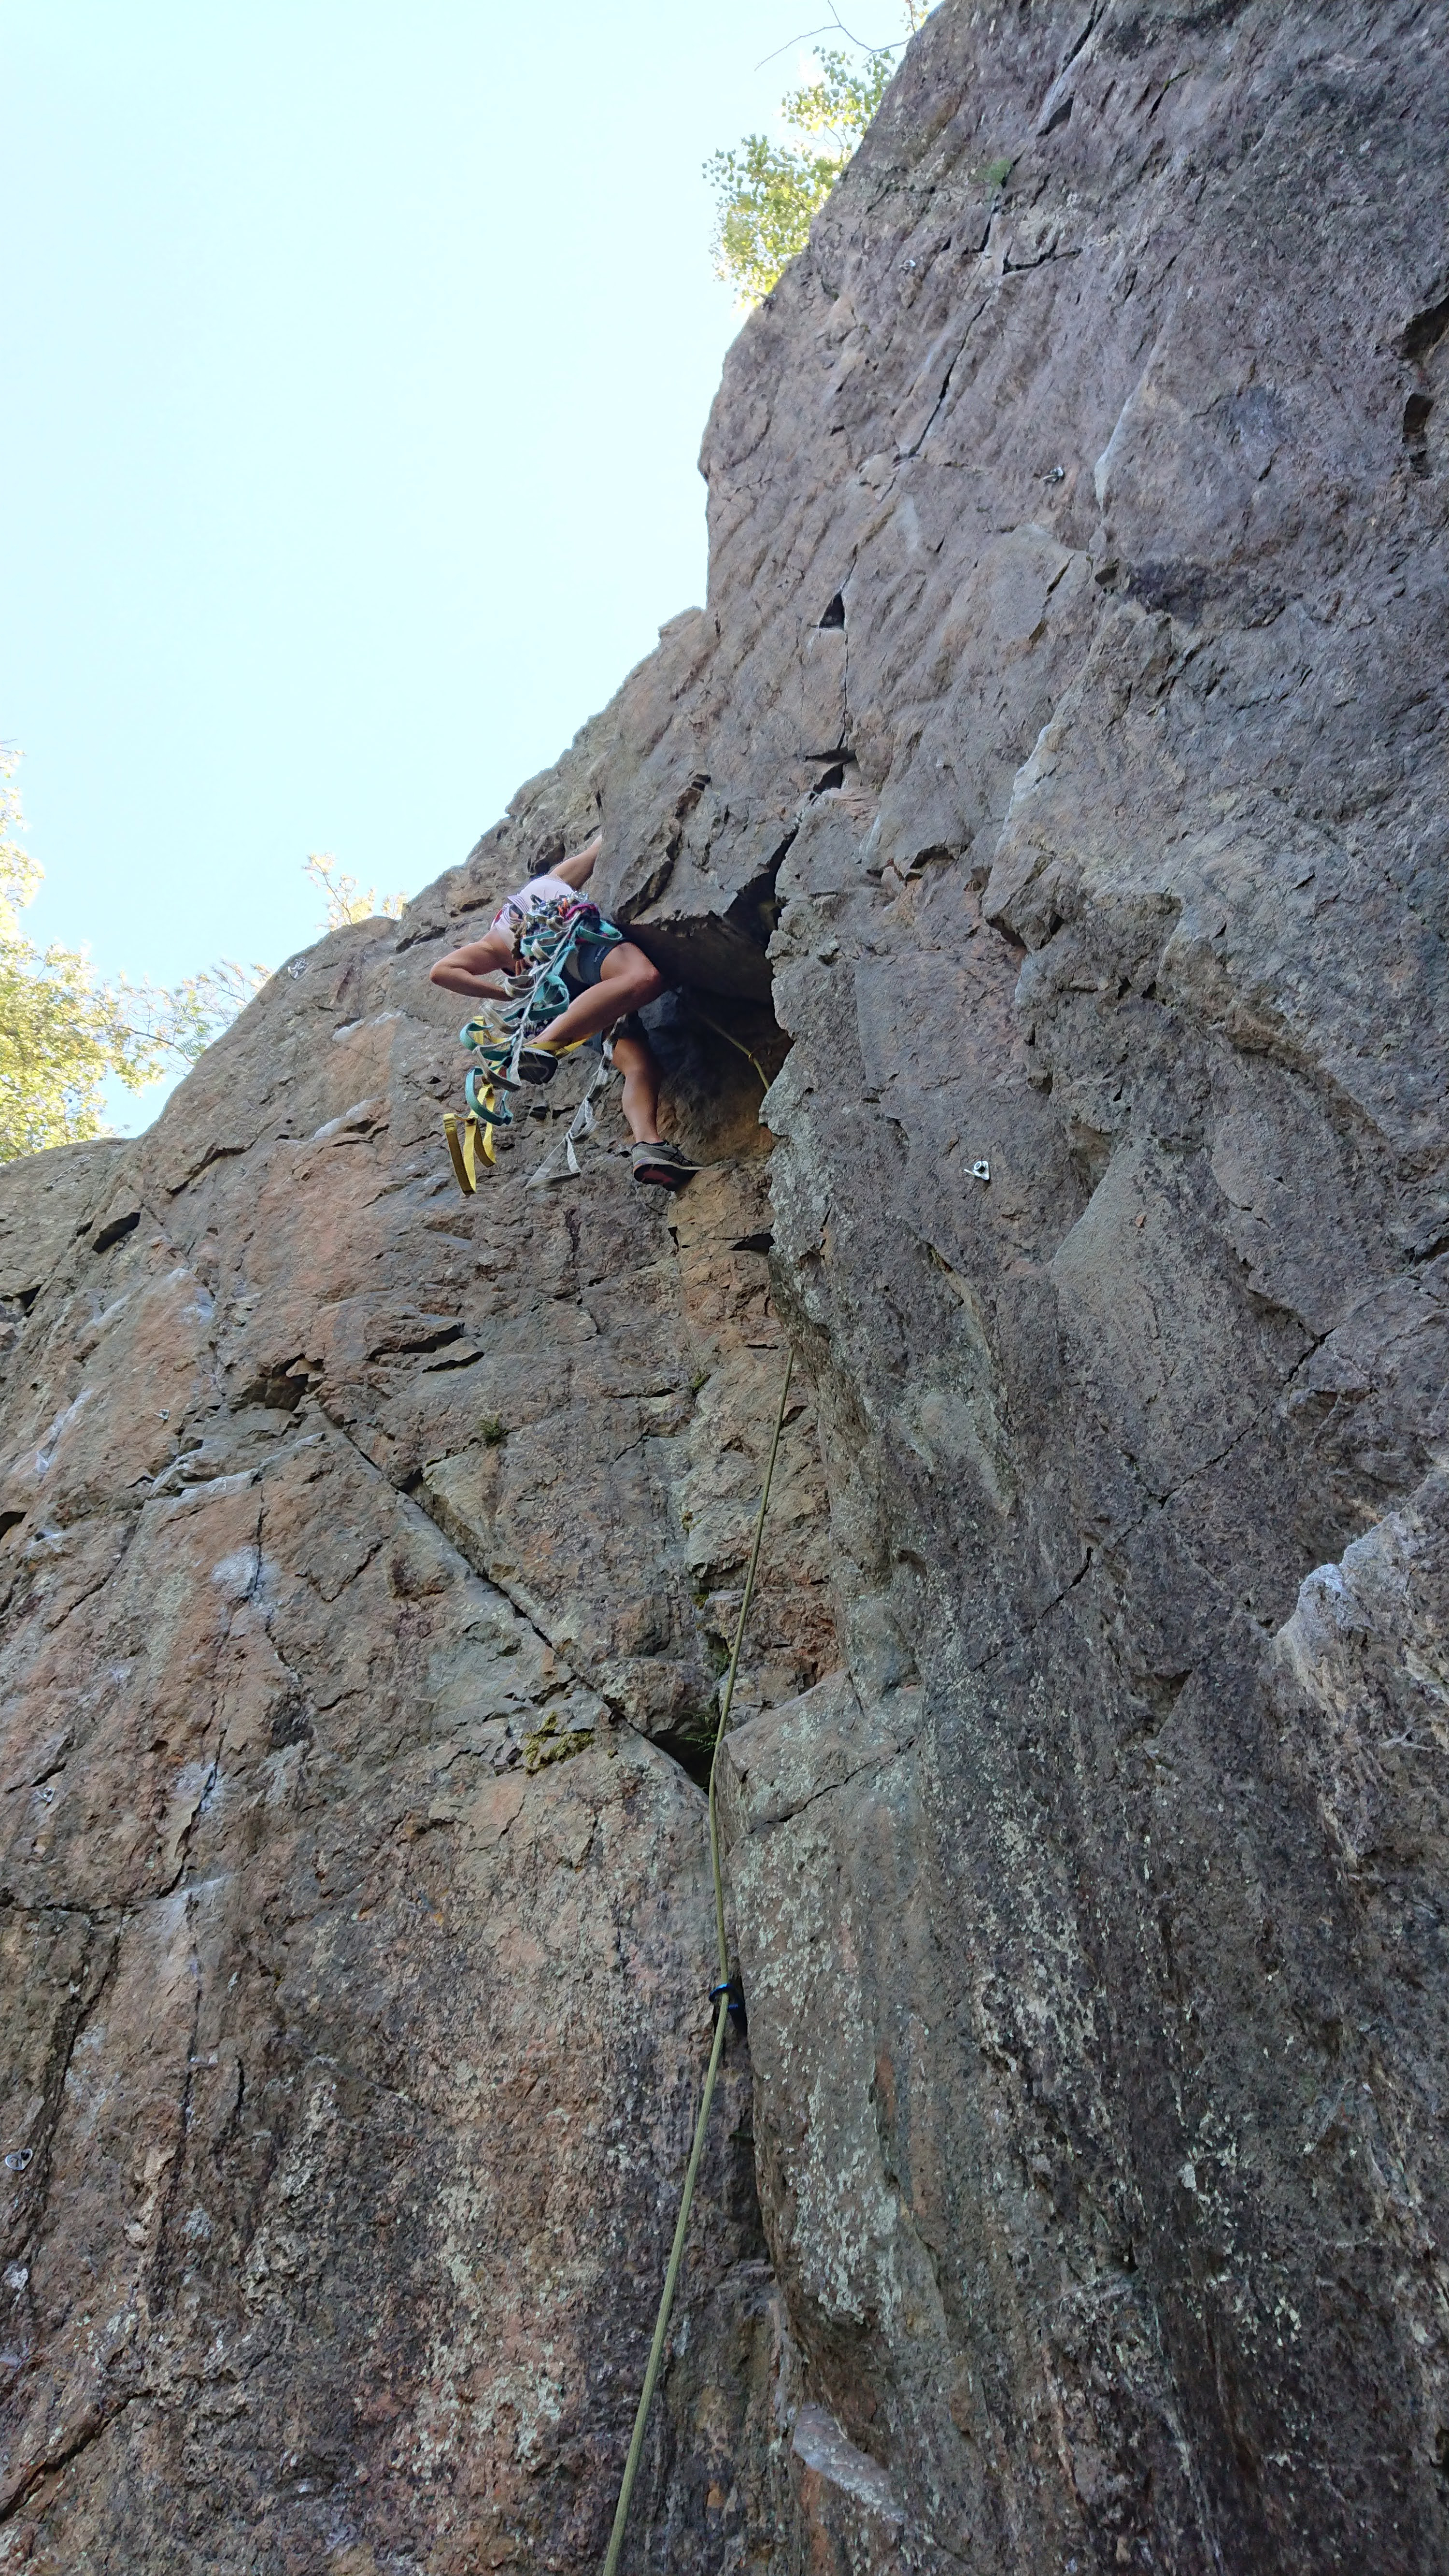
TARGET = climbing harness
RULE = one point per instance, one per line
(550, 935)
(728, 1998)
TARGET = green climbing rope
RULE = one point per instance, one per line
(727, 1702)
(676, 2253)
(738, 1044)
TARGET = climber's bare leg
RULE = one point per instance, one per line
(639, 1066)
(626, 982)
(662, 1166)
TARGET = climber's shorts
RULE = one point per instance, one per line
(582, 971)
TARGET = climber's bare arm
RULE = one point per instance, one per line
(578, 870)
(477, 968)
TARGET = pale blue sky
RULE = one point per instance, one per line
(357, 354)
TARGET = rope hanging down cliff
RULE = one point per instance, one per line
(726, 1997)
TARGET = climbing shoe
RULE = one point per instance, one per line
(663, 1166)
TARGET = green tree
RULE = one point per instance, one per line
(347, 901)
(63, 1034)
(767, 193)
(184, 1019)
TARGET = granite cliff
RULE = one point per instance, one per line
(1052, 788)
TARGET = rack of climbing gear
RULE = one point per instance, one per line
(549, 936)
(564, 1159)
(728, 1998)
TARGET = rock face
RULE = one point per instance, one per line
(1049, 808)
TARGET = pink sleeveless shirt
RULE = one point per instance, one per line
(538, 891)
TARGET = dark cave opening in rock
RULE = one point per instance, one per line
(719, 1053)
(693, 1752)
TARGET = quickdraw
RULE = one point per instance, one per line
(498, 1033)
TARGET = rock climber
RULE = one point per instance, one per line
(609, 986)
